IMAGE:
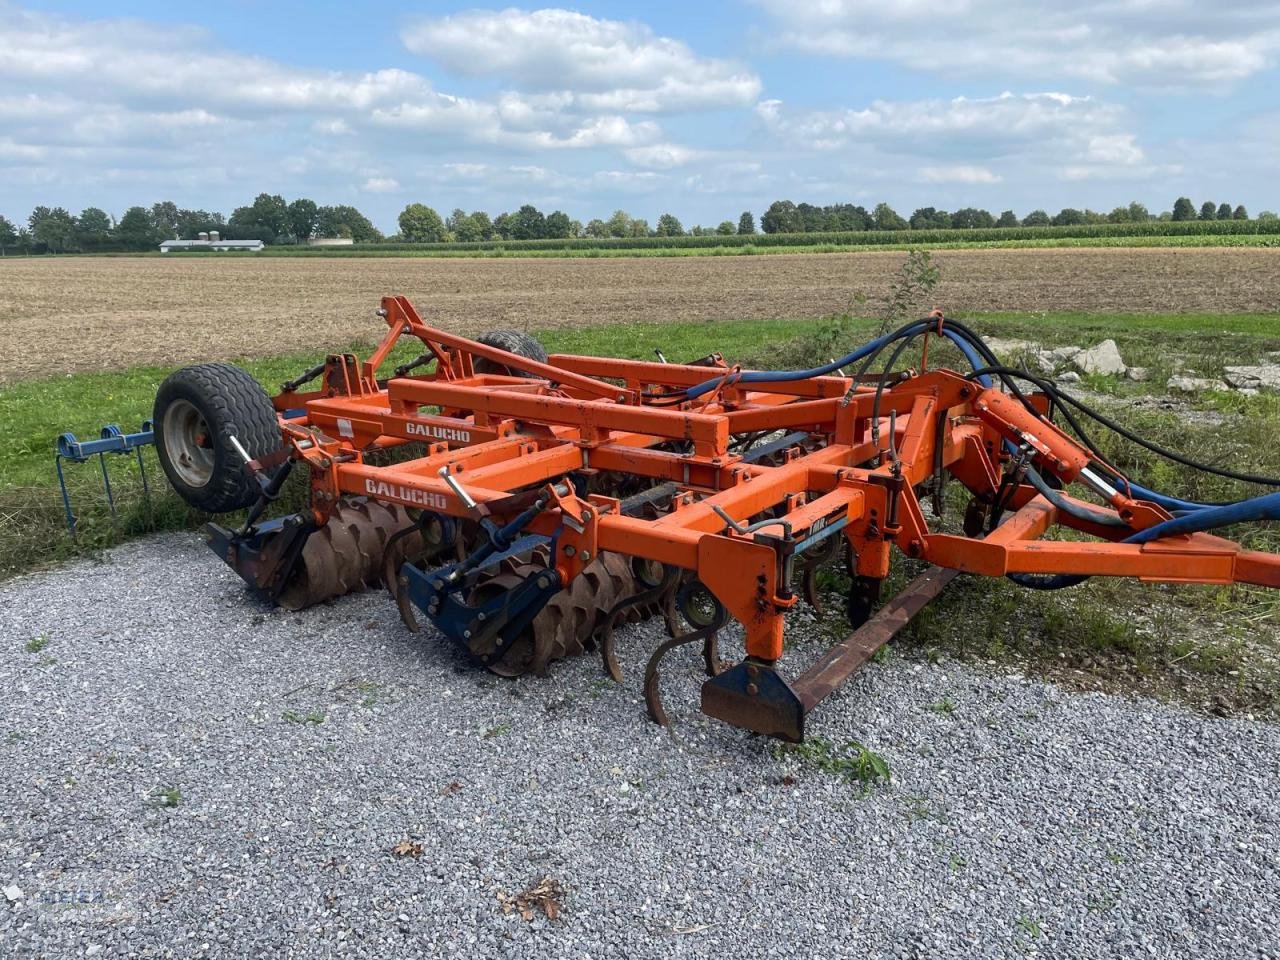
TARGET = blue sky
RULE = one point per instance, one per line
(702, 109)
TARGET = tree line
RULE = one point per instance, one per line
(269, 219)
(420, 223)
(274, 221)
(783, 216)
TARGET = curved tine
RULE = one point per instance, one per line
(809, 586)
(652, 694)
(393, 558)
(608, 653)
(711, 646)
(707, 634)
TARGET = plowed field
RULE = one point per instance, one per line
(68, 314)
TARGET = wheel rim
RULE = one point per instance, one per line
(188, 442)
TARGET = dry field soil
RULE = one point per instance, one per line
(68, 314)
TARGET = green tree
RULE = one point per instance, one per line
(597, 228)
(54, 229)
(1036, 218)
(8, 234)
(1268, 216)
(482, 225)
(528, 223)
(669, 226)
(1208, 211)
(1138, 212)
(726, 228)
(137, 230)
(929, 218)
(194, 222)
(619, 225)
(781, 217)
(559, 226)
(345, 221)
(420, 224)
(503, 224)
(1007, 219)
(886, 218)
(1224, 211)
(93, 229)
(970, 218)
(266, 219)
(302, 218)
(1068, 217)
(470, 228)
(1183, 209)
(1240, 213)
(746, 224)
(639, 227)
(164, 217)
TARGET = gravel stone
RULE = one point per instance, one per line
(189, 773)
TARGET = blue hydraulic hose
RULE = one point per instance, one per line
(786, 376)
(1265, 507)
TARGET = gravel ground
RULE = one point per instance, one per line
(300, 749)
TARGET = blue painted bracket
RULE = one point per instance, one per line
(111, 439)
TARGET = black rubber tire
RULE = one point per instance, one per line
(513, 341)
(231, 403)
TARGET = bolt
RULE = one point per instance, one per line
(480, 617)
(753, 670)
(543, 581)
(569, 550)
(466, 634)
(402, 580)
(752, 689)
(586, 555)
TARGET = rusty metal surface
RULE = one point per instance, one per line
(839, 663)
(348, 553)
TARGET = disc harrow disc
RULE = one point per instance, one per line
(347, 553)
(567, 625)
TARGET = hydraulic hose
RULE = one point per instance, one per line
(968, 342)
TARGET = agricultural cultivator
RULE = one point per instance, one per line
(527, 506)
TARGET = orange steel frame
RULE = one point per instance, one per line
(496, 434)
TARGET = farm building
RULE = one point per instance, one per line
(211, 241)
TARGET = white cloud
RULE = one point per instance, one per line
(662, 156)
(600, 64)
(381, 185)
(959, 174)
(118, 80)
(1157, 43)
(606, 64)
(971, 139)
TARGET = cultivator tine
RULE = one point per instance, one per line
(661, 593)
(111, 439)
(809, 586)
(707, 636)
